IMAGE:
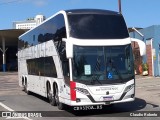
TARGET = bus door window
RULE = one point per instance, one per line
(65, 63)
(65, 67)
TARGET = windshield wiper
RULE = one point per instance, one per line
(95, 76)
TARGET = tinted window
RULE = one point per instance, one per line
(97, 26)
(49, 66)
(65, 63)
(104, 64)
(53, 29)
(42, 67)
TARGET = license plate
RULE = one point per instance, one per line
(108, 98)
(91, 107)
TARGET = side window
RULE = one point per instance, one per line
(50, 69)
(61, 29)
(65, 63)
(44, 66)
(65, 67)
(52, 29)
(31, 67)
(40, 66)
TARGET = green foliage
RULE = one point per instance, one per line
(145, 66)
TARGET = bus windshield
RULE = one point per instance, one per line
(97, 26)
(103, 64)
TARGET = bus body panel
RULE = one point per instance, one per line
(98, 99)
(45, 43)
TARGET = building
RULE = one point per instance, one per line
(9, 42)
(29, 23)
(9, 48)
(152, 58)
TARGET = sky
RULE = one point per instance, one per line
(137, 13)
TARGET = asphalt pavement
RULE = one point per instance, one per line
(147, 93)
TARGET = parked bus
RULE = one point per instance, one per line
(79, 57)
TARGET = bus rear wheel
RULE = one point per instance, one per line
(26, 88)
(51, 96)
(60, 105)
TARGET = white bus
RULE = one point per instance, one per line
(78, 58)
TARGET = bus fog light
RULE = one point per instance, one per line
(132, 96)
(82, 90)
(78, 100)
(128, 88)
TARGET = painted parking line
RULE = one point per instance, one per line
(11, 110)
(6, 107)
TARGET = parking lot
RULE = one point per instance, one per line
(12, 98)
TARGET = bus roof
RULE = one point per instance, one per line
(78, 11)
(91, 11)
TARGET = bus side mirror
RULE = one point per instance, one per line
(69, 48)
(141, 44)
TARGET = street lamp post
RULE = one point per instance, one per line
(119, 6)
(4, 54)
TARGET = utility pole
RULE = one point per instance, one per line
(119, 6)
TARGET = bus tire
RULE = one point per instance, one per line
(111, 105)
(60, 105)
(23, 85)
(26, 88)
(51, 96)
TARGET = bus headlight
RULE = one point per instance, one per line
(82, 90)
(128, 88)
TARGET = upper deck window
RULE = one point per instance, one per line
(97, 26)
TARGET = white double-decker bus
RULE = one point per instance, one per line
(78, 58)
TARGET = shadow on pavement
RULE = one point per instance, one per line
(117, 109)
(120, 109)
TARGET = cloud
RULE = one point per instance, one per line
(9, 1)
(37, 3)
(75, 1)
(40, 3)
